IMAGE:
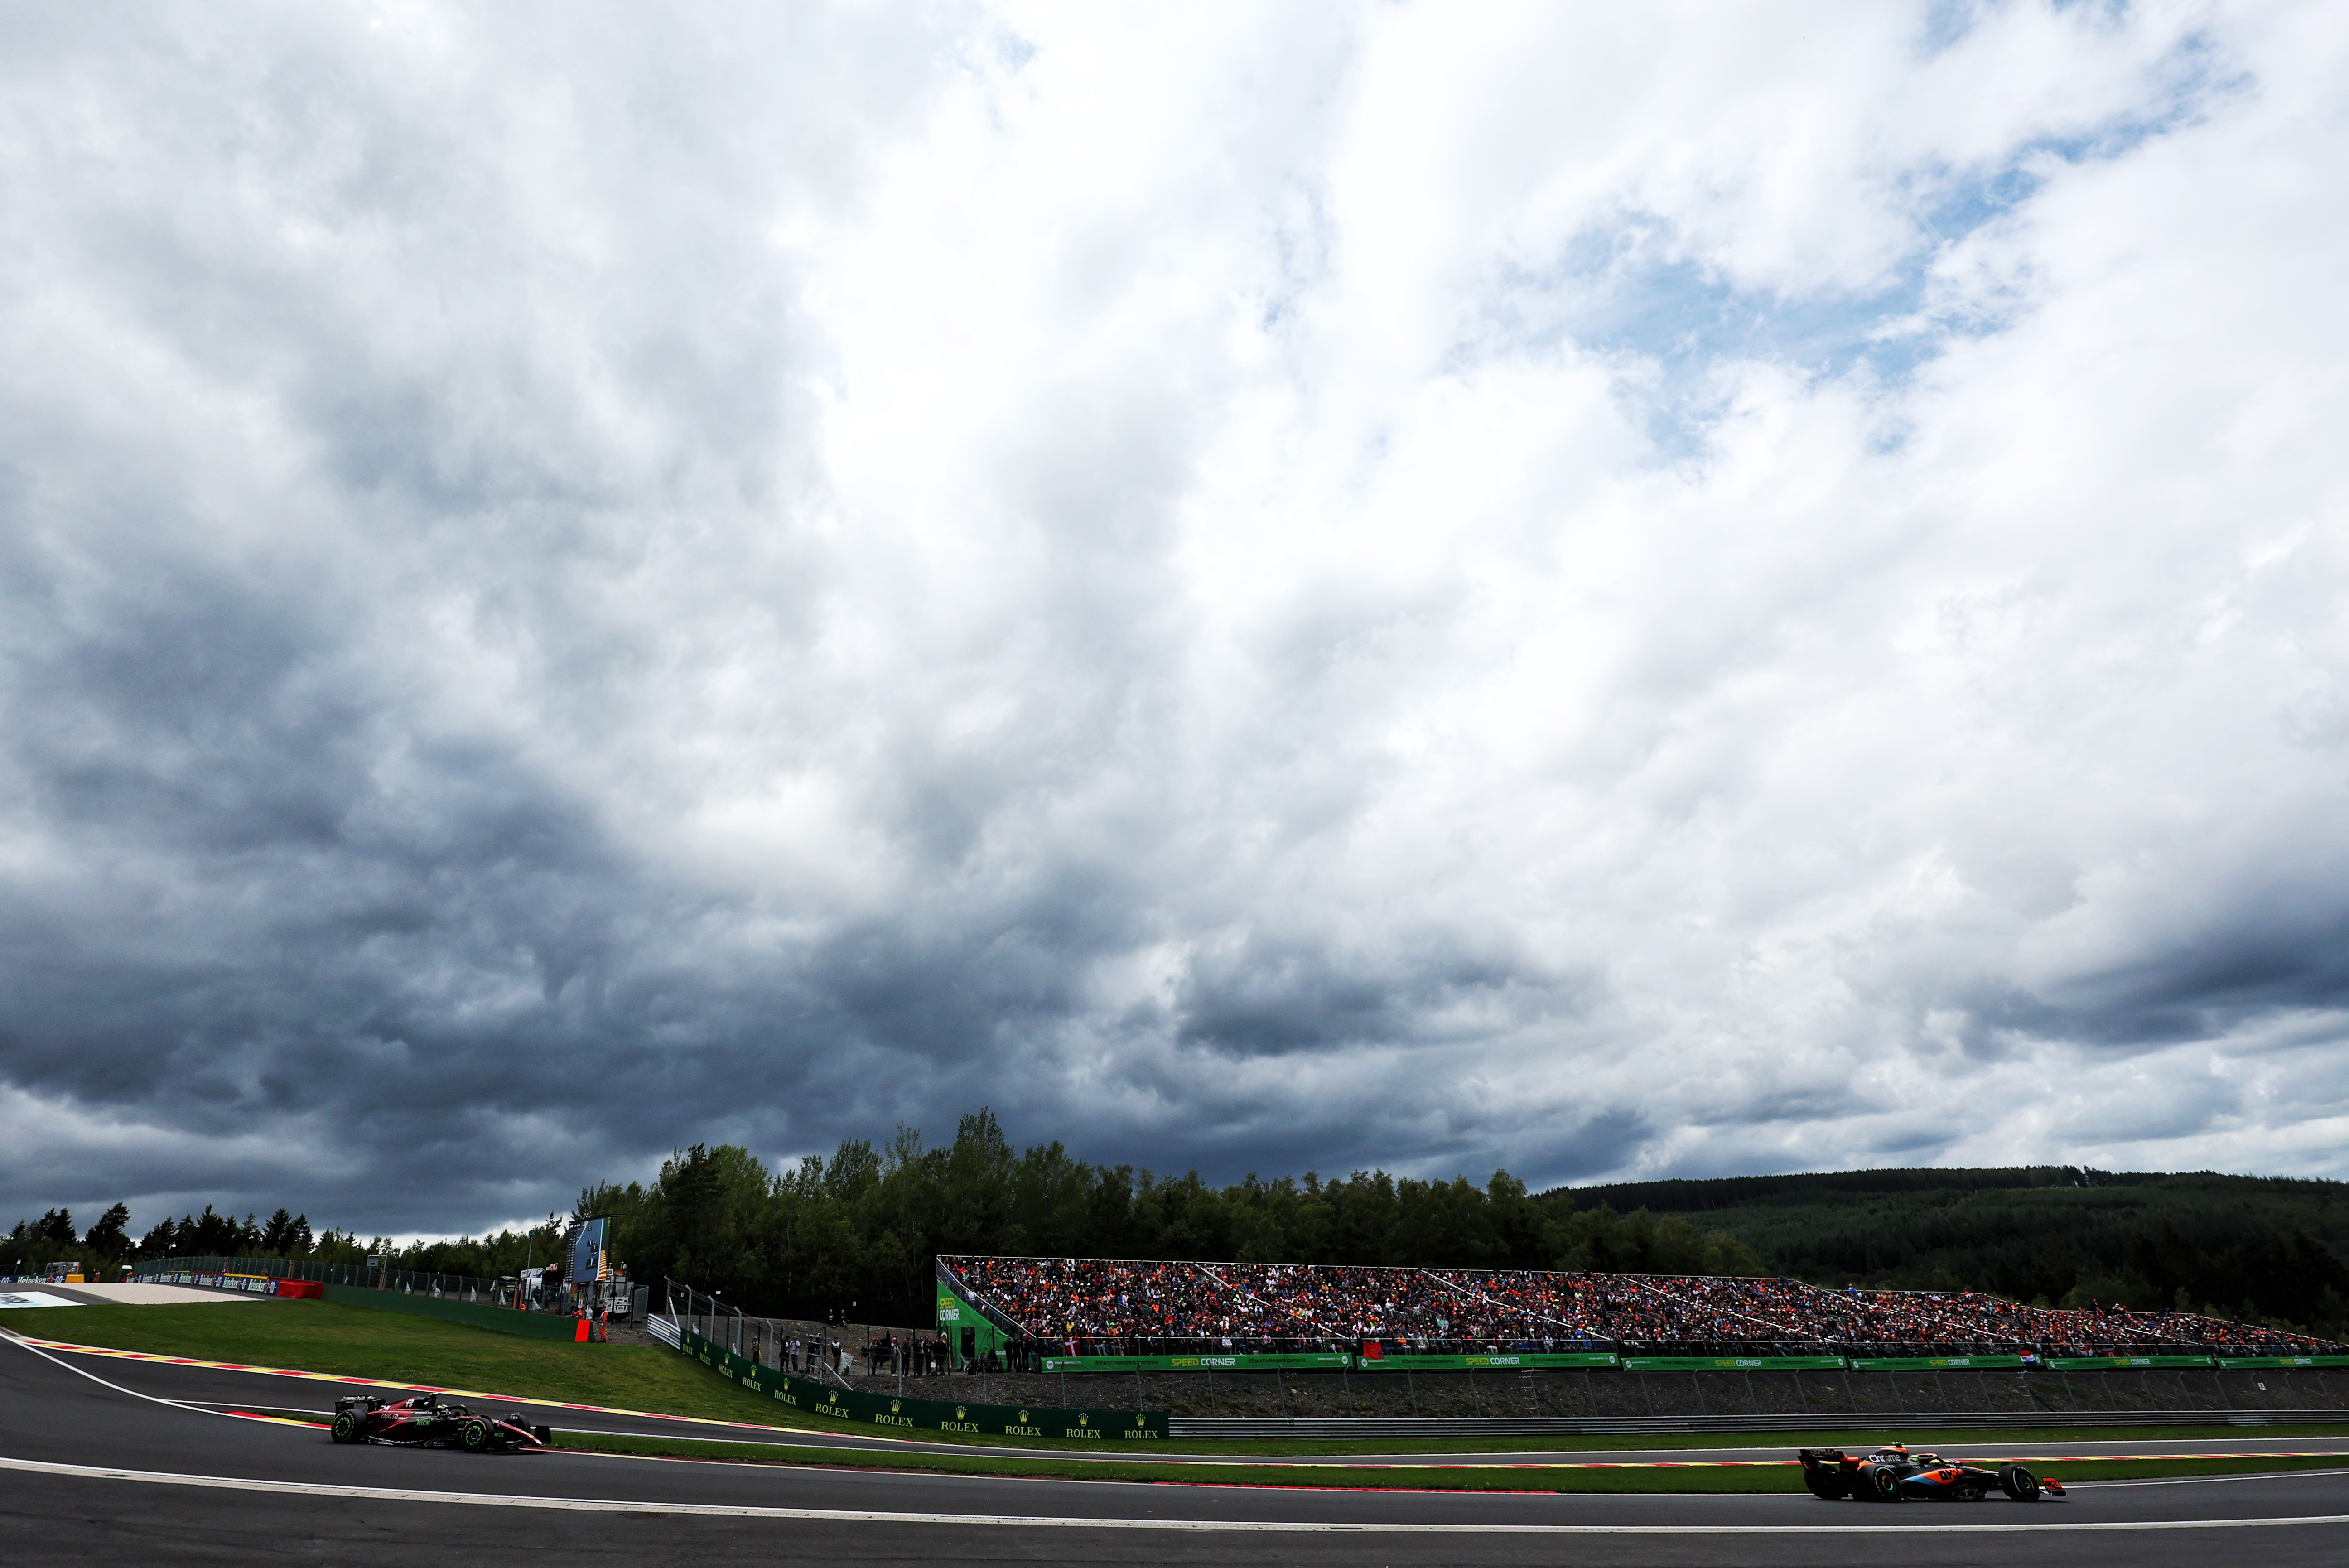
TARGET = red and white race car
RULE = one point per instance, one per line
(424, 1422)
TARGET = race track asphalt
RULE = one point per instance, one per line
(86, 1469)
(259, 1390)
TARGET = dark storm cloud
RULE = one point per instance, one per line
(573, 584)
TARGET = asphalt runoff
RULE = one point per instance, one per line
(89, 1470)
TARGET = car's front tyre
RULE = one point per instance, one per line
(2018, 1483)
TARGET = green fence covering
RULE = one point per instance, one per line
(908, 1415)
(1936, 1363)
(2122, 1363)
(1501, 1360)
(2279, 1363)
(1730, 1363)
(480, 1314)
(1206, 1362)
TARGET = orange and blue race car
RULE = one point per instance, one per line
(1893, 1474)
(424, 1422)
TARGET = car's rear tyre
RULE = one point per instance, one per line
(2018, 1483)
(346, 1429)
(1884, 1483)
(474, 1436)
(1826, 1481)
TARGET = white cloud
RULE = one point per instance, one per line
(1321, 584)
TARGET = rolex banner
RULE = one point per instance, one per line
(906, 1416)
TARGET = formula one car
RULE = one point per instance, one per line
(1893, 1474)
(424, 1422)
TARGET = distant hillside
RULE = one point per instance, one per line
(2273, 1244)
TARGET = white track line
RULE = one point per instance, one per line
(2205, 1480)
(1049, 1521)
(84, 1372)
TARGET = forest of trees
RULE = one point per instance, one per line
(855, 1229)
(2258, 1246)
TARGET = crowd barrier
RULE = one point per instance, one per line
(250, 1284)
(480, 1313)
(905, 1415)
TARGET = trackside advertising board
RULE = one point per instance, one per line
(1211, 1361)
(1498, 1361)
(2279, 1363)
(1938, 1363)
(2122, 1363)
(1730, 1363)
(909, 1416)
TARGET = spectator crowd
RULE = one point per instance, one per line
(1114, 1306)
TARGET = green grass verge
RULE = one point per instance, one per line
(1005, 1465)
(1741, 1479)
(355, 1342)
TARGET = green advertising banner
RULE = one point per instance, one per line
(2279, 1363)
(1212, 1362)
(908, 1415)
(1505, 1360)
(1731, 1362)
(2118, 1363)
(1935, 1363)
(956, 1313)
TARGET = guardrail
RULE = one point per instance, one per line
(1369, 1428)
(665, 1331)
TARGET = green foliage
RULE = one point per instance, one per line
(2265, 1247)
(856, 1229)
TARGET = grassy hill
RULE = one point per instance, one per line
(2058, 1234)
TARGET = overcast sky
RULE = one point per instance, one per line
(1610, 590)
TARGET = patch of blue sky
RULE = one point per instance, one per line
(1624, 292)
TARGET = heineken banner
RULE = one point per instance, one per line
(2122, 1363)
(908, 1417)
(1937, 1363)
(1210, 1362)
(1730, 1363)
(964, 1327)
(1502, 1360)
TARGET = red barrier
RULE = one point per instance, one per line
(298, 1289)
(581, 1337)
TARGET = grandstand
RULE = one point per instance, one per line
(1126, 1307)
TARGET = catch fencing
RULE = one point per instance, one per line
(448, 1287)
(554, 1297)
(761, 1340)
